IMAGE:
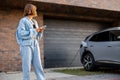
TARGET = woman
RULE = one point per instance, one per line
(28, 34)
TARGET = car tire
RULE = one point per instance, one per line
(88, 62)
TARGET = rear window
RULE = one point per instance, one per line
(115, 35)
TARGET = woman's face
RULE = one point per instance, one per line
(35, 13)
(30, 10)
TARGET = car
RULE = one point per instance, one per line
(101, 48)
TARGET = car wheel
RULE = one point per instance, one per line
(88, 62)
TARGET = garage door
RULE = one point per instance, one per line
(62, 39)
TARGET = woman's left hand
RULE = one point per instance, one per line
(40, 29)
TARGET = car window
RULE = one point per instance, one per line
(100, 37)
(115, 35)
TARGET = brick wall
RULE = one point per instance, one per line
(10, 59)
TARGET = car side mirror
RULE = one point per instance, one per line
(84, 44)
(118, 37)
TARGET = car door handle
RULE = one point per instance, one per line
(109, 46)
(91, 45)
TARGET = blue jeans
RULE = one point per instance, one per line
(31, 55)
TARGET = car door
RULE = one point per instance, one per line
(100, 46)
(115, 45)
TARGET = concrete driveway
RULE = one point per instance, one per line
(93, 77)
(50, 75)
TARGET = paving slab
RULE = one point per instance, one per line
(92, 77)
(18, 75)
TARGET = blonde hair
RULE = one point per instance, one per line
(30, 9)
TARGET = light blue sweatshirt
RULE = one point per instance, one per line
(25, 32)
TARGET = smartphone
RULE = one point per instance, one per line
(44, 26)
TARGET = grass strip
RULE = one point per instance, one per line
(82, 72)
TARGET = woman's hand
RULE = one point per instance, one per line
(40, 29)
